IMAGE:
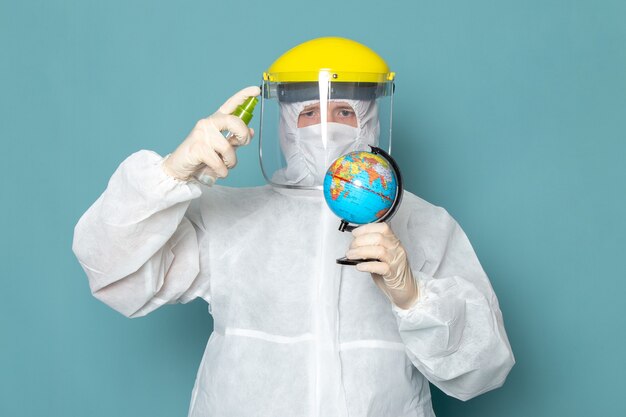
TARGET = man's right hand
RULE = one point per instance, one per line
(206, 153)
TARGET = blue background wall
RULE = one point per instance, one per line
(512, 115)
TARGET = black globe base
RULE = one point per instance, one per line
(346, 261)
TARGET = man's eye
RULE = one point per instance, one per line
(309, 113)
(346, 113)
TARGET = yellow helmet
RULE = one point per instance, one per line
(322, 99)
(344, 59)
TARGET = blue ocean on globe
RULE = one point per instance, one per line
(360, 187)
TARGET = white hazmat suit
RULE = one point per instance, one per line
(295, 333)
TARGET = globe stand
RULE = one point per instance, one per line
(344, 226)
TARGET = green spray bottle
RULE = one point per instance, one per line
(244, 112)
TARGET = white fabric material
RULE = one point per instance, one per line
(315, 156)
(295, 333)
(307, 156)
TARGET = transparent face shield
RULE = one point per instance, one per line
(305, 126)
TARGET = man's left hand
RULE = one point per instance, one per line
(390, 270)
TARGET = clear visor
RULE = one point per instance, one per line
(305, 126)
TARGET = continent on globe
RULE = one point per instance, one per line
(344, 170)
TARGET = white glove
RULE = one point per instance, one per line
(206, 153)
(391, 272)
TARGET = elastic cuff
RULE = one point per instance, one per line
(178, 180)
(144, 172)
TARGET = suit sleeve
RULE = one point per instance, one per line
(137, 243)
(454, 334)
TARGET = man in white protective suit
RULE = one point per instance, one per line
(295, 333)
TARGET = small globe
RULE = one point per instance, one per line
(360, 187)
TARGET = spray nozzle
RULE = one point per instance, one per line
(244, 111)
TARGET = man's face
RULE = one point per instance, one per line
(338, 112)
